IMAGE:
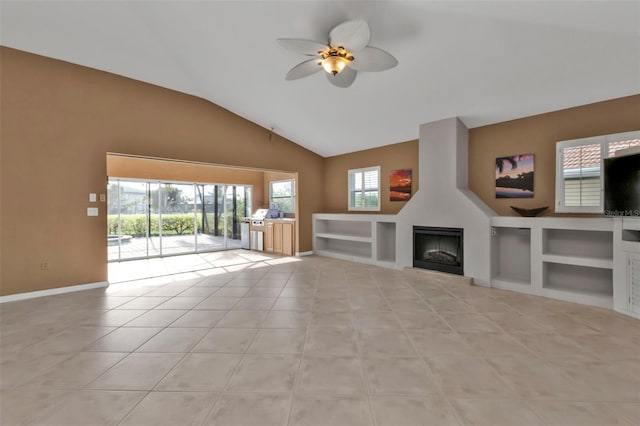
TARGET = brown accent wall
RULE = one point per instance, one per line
(538, 135)
(159, 169)
(59, 121)
(403, 155)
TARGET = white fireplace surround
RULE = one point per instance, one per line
(444, 200)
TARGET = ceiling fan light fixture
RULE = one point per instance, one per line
(336, 57)
(334, 64)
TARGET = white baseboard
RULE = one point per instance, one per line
(304, 253)
(628, 313)
(52, 291)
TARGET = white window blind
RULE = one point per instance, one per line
(364, 188)
(581, 174)
(579, 186)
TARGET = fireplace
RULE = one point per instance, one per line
(438, 249)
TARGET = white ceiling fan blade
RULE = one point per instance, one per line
(371, 59)
(305, 47)
(352, 35)
(304, 69)
(343, 79)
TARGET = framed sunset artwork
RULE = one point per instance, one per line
(514, 176)
(400, 185)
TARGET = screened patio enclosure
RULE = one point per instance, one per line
(155, 218)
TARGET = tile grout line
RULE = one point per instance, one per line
(298, 377)
(441, 395)
(365, 377)
(236, 368)
(148, 392)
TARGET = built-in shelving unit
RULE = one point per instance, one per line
(512, 255)
(357, 237)
(563, 258)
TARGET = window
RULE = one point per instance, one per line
(579, 187)
(282, 193)
(364, 189)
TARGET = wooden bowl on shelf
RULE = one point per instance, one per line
(529, 212)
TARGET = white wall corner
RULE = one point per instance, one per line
(462, 155)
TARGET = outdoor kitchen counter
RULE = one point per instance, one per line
(279, 236)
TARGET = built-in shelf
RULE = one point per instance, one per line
(345, 237)
(347, 247)
(585, 297)
(386, 242)
(510, 280)
(578, 278)
(511, 249)
(357, 237)
(578, 243)
(594, 262)
(631, 223)
(631, 235)
(564, 258)
(347, 226)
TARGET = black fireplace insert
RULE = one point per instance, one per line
(438, 249)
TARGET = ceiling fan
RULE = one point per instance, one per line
(346, 53)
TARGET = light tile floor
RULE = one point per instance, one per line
(314, 341)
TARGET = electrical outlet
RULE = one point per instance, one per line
(44, 265)
(103, 198)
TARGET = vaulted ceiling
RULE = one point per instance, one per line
(483, 61)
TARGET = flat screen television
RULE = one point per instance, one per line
(622, 185)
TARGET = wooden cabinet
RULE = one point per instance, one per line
(279, 237)
(268, 236)
(288, 242)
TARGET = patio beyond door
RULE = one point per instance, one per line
(152, 219)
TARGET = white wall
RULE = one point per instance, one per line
(444, 199)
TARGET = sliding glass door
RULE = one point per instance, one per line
(151, 219)
(154, 242)
(128, 219)
(177, 215)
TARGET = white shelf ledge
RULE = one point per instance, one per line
(345, 237)
(631, 223)
(344, 255)
(510, 281)
(593, 262)
(602, 300)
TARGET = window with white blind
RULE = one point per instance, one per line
(364, 189)
(579, 187)
(282, 195)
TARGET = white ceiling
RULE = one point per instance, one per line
(483, 61)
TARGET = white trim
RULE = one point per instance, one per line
(52, 291)
(304, 253)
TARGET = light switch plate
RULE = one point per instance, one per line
(92, 197)
(103, 198)
(92, 211)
